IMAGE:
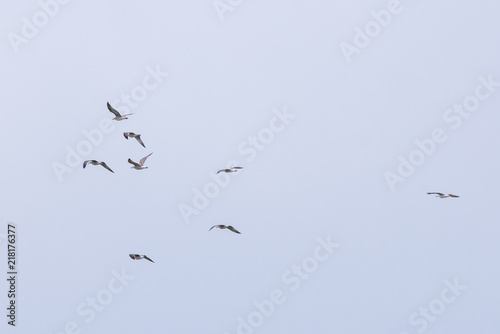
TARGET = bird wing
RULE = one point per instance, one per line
(133, 256)
(435, 194)
(237, 167)
(138, 137)
(113, 110)
(103, 164)
(147, 258)
(143, 160)
(133, 163)
(85, 163)
(233, 229)
(451, 195)
(213, 227)
(126, 134)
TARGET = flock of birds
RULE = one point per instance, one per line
(140, 166)
(135, 165)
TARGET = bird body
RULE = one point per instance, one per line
(139, 257)
(118, 117)
(222, 227)
(139, 165)
(133, 135)
(95, 163)
(441, 195)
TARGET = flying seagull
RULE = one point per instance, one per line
(117, 114)
(222, 227)
(441, 195)
(133, 135)
(140, 257)
(95, 163)
(139, 165)
(230, 170)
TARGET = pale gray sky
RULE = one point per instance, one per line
(343, 115)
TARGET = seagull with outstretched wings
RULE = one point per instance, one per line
(222, 227)
(229, 170)
(117, 114)
(139, 257)
(139, 165)
(133, 135)
(95, 163)
(441, 195)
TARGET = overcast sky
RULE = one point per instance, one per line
(344, 114)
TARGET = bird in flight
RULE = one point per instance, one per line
(139, 165)
(117, 114)
(222, 227)
(95, 163)
(441, 195)
(133, 135)
(229, 170)
(139, 257)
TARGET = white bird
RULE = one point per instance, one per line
(139, 165)
(230, 170)
(222, 227)
(117, 114)
(441, 195)
(133, 135)
(95, 163)
(139, 257)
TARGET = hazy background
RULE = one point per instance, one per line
(322, 175)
